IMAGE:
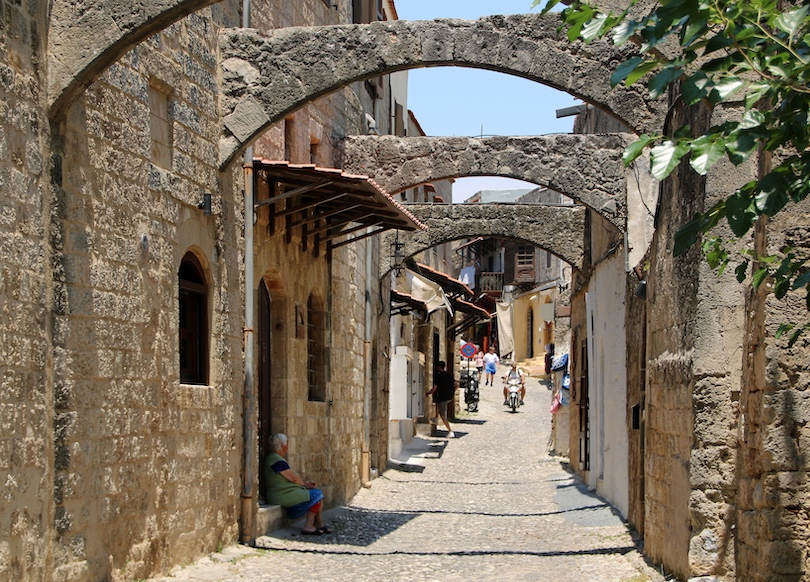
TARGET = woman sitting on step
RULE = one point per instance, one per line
(285, 488)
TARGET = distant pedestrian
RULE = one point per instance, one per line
(444, 392)
(491, 360)
(479, 360)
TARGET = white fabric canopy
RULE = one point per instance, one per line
(427, 291)
(506, 339)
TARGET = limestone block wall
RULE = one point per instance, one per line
(772, 519)
(26, 454)
(147, 470)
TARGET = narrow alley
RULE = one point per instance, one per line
(489, 504)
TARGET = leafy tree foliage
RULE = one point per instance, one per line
(752, 54)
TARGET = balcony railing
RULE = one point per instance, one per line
(490, 282)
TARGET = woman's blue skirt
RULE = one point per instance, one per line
(299, 510)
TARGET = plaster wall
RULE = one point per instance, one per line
(607, 380)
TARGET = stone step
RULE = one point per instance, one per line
(270, 518)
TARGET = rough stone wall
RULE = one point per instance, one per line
(635, 325)
(147, 470)
(320, 61)
(773, 526)
(26, 453)
(327, 438)
(558, 229)
(586, 168)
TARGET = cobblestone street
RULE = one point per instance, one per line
(490, 504)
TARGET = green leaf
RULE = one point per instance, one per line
(696, 87)
(593, 28)
(790, 21)
(751, 119)
(740, 213)
(801, 280)
(665, 157)
(635, 149)
(659, 83)
(706, 150)
(623, 32)
(773, 193)
(640, 71)
(689, 234)
(759, 276)
(621, 72)
(724, 88)
(741, 271)
(756, 92)
(695, 27)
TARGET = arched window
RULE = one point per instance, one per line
(193, 304)
(315, 349)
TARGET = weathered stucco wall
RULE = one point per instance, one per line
(607, 380)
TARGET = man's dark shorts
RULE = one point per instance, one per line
(444, 407)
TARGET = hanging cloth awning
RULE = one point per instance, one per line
(450, 284)
(329, 206)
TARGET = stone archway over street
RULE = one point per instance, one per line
(266, 78)
(586, 168)
(84, 38)
(558, 229)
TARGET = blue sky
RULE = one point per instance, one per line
(471, 102)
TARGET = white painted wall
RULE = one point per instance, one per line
(608, 383)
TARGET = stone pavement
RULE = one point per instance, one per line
(490, 504)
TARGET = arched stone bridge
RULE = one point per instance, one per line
(587, 168)
(84, 38)
(558, 229)
(265, 78)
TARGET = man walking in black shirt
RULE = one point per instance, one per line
(444, 392)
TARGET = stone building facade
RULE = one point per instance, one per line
(125, 443)
(122, 443)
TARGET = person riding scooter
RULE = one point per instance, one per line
(514, 372)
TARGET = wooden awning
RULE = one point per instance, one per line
(329, 206)
(404, 303)
(470, 309)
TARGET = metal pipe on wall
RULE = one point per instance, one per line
(246, 533)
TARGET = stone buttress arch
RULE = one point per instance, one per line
(587, 168)
(84, 38)
(267, 77)
(558, 229)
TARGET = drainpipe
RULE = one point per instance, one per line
(248, 398)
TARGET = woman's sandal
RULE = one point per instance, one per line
(324, 530)
(314, 532)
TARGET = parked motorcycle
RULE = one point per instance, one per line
(469, 381)
(513, 398)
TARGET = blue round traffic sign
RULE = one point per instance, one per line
(468, 350)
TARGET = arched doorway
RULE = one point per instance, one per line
(530, 333)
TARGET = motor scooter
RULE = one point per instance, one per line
(513, 397)
(469, 381)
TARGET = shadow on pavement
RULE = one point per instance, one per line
(351, 526)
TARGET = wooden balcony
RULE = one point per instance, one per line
(490, 283)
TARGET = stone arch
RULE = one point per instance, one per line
(587, 168)
(557, 229)
(84, 38)
(265, 78)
